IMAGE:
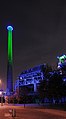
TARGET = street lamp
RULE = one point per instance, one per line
(0, 80)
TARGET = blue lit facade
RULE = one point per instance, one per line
(30, 78)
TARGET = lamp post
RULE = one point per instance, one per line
(1, 92)
(0, 84)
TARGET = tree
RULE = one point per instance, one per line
(52, 88)
(55, 86)
(46, 69)
(43, 89)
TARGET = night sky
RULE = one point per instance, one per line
(39, 34)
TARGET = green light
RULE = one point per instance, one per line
(10, 44)
(62, 58)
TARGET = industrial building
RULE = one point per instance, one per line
(30, 79)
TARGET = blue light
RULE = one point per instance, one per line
(10, 28)
(64, 79)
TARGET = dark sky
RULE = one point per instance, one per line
(39, 34)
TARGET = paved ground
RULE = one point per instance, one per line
(30, 113)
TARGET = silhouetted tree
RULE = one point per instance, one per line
(46, 69)
(53, 88)
(43, 89)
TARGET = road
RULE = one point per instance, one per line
(29, 113)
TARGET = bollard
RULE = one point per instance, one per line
(13, 113)
(10, 111)
(1, 104)
(1, 101)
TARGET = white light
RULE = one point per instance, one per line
(20, 77)
(0, 92)
(64, 79)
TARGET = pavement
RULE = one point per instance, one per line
(54, 112)
(30, 107)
